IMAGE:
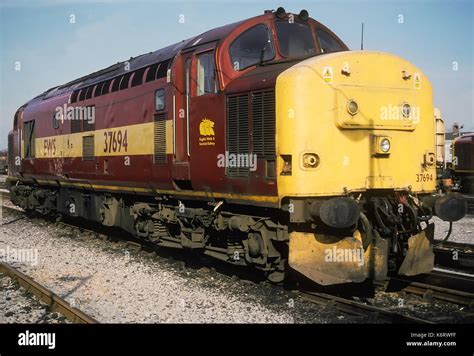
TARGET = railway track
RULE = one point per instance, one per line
(442, 285)
(352, 307)
(55, 302)
(455, 255)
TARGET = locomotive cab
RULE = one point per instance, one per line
(368, 182)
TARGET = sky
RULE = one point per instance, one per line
(55, 41)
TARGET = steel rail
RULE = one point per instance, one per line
(442, 285)
(55, 302)
(360, 309)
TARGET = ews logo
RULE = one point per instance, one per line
(49, 146)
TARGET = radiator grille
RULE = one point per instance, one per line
(237, 131)
(263, 119)
(159, 137)
(88, 148)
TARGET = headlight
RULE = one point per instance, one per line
(352, 107)
(310, 160)
(381, 145)
(385, 145)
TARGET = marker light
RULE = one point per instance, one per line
(406, 110)
(303, 15)
(352, 107)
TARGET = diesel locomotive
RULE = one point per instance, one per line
(264, 143)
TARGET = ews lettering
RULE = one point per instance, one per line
(49, 146)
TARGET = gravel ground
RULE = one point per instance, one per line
(118, 285)
(20, 306)
(463, 230)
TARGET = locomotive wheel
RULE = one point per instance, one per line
(279, 274)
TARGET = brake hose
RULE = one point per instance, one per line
(447, 236)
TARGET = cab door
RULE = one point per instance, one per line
(194, 105)
(181, 120)
(207, 124)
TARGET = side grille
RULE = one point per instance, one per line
(159, 137)
(263, 118)
(237, 131)
(88, 148)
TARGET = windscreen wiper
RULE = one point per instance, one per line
(288, 60)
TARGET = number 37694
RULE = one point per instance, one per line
(424, 177)
(115, 141)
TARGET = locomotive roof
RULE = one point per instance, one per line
(468, 136)
(140, 61)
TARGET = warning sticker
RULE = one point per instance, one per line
(416, 81)
(328, 74)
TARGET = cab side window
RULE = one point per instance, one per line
(206, 74)
(160, 99)
(29, 138)
(327, 42)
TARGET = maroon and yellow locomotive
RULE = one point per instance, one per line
(258, 143)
